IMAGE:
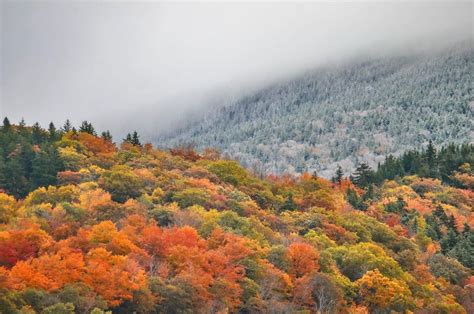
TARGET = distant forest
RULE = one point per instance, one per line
(344, 115)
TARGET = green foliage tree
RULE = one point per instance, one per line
(6, 125)
(67, 127)
(107, 136)
(135, 139)
(449, 268)
(87, 127)
(354, 199)
(363, 176)
(59, 308)
(122, 183)
(289, 203)
(53, 133)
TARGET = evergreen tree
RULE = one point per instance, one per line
(339, 174)
(107, 136)
(433, 228)
(6, 125)
(136, 139)
(53, 133)
(128, 139)
(399, 206)
(363, 176)
(440, 214)
(463, 250)
(449, 241)
(2, 172)
(451, 224)
(87, 127)
(37, 134)
(42, 174)
(17, 183)
(466, 229)
(45, 166)
(67, 127)
(356, 201)
(22, 129)
(430, 165)
(289, 204)
(369, 194)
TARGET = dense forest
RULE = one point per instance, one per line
(343, 115)
(90, 226)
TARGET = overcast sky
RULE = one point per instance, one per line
(142, 65)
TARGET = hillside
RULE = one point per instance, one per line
(343, 115)
(89, 227)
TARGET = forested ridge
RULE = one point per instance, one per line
(343, 115)
(91, 226)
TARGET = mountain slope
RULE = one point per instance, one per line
(344, 115)
(134, 229)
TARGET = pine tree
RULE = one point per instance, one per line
(67, 127)
(441, 215)
(128, 139)
(451, 224)
(22, 130)
(37, 133)
(466, 229)
(6, 125)
(363, 175)
(369, 194)
(42, 174)
(107, 136)
(355, 200)
(136, 139)
(339, 175)
(289, 204)
(2, 172)
(17, 183)
(463, 251)
(431, 161)
(87, 127)
(449, 241)
(53, 133)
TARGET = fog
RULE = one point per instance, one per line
(146, 65)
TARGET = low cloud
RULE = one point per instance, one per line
(126, 65)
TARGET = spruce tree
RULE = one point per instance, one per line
(6, 125)
(449, 241)
(17, 183)
(363, 176)
(356, 201)
(86, 127)
(53, 133)
(289, 204)
(136, 139)
(22, 129)
(2, 172)
(45, 166)
(67, 127)
(107, 136)
(431, 161)
(37, 133)
(339, 174)
(128, 139)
